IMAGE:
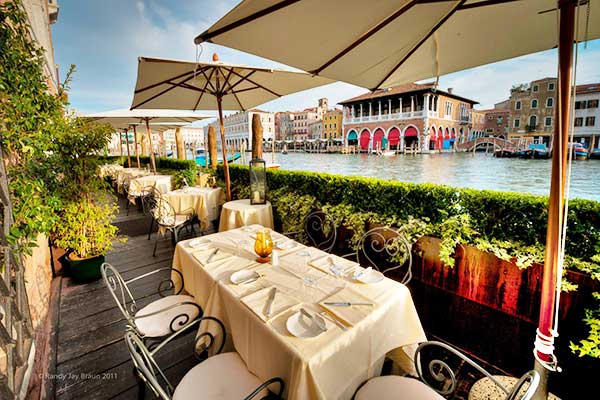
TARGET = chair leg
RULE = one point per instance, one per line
(151, 226)
(155, 244)
(193, 230)
(141, 389)
(175, 235)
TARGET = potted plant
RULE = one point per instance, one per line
(86, 231)
(86, 208)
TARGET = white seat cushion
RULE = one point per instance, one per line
(396, 388)
(160, 324)
(174, 221)
(221, 377)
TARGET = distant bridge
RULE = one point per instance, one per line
(484, 142)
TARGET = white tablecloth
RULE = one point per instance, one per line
(161, 182)
(204, 201)
(127, 174)
(330, 366)
(238, 213)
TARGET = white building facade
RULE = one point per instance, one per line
(238, 128)
(587, 115)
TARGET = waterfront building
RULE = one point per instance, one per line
(587, 115)
(193, 137)
(238, 128)
(492, 122)
(286, 125)
(316, 129)
(532, 111)
(332, 125)
(414, 116)
(477, 124)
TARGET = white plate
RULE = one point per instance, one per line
(300, 326)
(242, 276)
(199, 242)
(368, 275)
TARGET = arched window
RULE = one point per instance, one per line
(518, 105)
(534, 103)
(550, 102)
(532, 121)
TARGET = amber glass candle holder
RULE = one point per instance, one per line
(263, 246)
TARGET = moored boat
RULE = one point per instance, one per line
(201, 160)
(579, 151)
(539, 151)
(504, 153)
(595, 154)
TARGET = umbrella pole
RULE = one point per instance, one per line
(135, 142)
(224, 149)
(128, 155)
(545, 362)
(150, 145)
(121, 144)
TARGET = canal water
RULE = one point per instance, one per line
(479, 170)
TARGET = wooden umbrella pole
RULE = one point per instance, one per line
(150, 145)
(545, 361)
(128, 154)
(121, 144)
(224, 149)
(135, 142)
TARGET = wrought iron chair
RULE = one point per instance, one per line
(168, 220)
(387, 247)
(159, 318)
(221, 376)
(442, 381)
(319, 229)
(150, 199)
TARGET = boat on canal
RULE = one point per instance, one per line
(201, 159)
(595, 154)
(579, 151)
(540, 151)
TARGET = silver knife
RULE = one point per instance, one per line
(270, 302)
(334, 320)
(317, 319)
(212, 255)
(347, 303)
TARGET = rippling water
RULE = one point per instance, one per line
(479, 171)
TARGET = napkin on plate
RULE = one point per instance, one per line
(257, 303)
(351, 315)
(325, 263)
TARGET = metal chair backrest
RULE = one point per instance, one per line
(144, 359)
(120, 291)
(164, 213)
(321, 230)
(444, 378)
(150, 198)
(387, 247)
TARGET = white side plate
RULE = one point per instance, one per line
(300, 326)
(243, 276)
(369, 276)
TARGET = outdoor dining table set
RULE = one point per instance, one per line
(320, 322)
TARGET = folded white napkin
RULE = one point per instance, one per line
(351, 315)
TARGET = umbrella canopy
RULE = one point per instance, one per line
(125, 119)
(185, 85)
(390, 42)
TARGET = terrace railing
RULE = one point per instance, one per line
(16, 342)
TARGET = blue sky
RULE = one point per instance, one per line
(104, 39)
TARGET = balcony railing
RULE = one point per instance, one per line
(388, 117)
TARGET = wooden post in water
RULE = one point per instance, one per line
(257, 137)
(212, 147)
(121, 144)
(149, 133)
(135, 141)
(179, 144)
(128, 153)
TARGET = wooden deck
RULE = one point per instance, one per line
(91, 360)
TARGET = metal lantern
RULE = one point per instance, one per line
(258, 181)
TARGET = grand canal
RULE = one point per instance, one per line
(479, 171)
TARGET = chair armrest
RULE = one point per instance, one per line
(180, 319)
(169, 282)
(201, 336)
(265, 385)
(533, 377)
(189, 212)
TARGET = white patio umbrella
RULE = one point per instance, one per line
(185, 85)
(124, 119)
(391, 42)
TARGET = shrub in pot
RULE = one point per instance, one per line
(86, 231)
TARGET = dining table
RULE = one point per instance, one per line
(137, 186)
(203, 201)
(355, 323)
(238, 213)
(125, 175)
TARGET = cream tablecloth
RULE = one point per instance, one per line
(127, 174)
(204, 201)
(238, 213)
(161, 182)
(330, 366)
(109, 170)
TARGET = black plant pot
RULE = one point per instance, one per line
(84, 270)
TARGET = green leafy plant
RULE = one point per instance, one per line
(86, 227)
(591, 345)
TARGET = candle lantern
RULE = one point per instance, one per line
(258, 181)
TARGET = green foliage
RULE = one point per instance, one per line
(291, 209)
(591, 345)
(85, 227)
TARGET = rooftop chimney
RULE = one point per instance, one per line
(450, 90)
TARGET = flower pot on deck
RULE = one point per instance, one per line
(84, 269)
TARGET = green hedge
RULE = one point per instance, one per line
(161, 162)
(498, 215)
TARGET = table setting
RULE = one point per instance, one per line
(322, 322)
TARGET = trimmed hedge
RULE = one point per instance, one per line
(498, 215)
(161, 162)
